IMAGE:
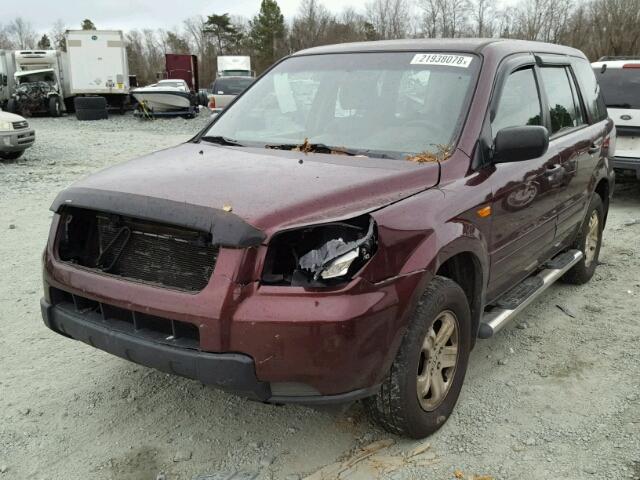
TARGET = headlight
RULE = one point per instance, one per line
(321, 255)
(4, 126)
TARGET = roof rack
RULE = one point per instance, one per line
(607, 58)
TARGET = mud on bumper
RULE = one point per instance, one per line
(233, 372)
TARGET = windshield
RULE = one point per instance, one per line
(231, 86)
(620, 87)
(399, 103)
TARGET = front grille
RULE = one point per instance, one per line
(137, 250)
(20, 125)
(158, 329)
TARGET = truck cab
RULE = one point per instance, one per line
(38, 83)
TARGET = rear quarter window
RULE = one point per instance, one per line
(590, 90)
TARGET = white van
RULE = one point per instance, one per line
(619, 79)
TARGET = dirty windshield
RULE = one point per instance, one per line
(388, 105)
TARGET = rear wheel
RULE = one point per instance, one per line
(426, 377)
(588, 242)
(91, 108)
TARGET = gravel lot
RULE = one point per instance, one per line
(555, 395)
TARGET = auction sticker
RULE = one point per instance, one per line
(448, 60)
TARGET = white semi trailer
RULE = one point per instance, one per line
(97, 65)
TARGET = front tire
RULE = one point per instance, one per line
(11, 155)
(426, 377)
(588, 242)
(54, 106)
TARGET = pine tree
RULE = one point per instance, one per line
(44, 43)
(267, 34)
(88, 24)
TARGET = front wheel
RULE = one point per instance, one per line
(11, 155)
(588, 242)
(426, 377)
(54, 106)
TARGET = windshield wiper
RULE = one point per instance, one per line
(221, 140)
(314, 148)
(619, 105)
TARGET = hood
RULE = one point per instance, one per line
(10, 117)
(23, 73)
(266, 189)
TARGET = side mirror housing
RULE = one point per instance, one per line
(515, 144)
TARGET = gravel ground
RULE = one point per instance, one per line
(555, 395)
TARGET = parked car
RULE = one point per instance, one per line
(619, 79)
(225, 89)
(349, 241)
(15, 135)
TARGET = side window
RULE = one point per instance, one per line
(562, 108)
(590, 90)
(519, 102)
(580, 115)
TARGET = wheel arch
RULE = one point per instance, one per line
(468, 267)
(604, 190)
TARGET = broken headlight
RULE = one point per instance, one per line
(320, 255)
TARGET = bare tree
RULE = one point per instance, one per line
(389, 18)
(5, 39)
(21, 34)
(311, 26)
(56, 34)
(483, 14)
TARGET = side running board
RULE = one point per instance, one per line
(516, 300)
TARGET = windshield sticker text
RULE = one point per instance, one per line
(462, 61)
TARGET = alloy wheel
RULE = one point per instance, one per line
(438, 361)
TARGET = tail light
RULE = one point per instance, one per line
(631, 65)
(212, 103)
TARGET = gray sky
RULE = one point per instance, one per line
(129, 14)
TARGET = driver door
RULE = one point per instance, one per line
(524, 206)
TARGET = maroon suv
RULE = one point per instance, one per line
(347, 228)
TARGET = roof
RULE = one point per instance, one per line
(470, 45)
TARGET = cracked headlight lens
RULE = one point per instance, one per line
(320, 255)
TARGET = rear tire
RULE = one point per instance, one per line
(589, 241)
(91, 108)
(432, 359)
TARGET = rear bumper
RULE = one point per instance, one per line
(17, 140)
(627, 166)
(232, 372)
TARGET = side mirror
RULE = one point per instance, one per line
(515, 144)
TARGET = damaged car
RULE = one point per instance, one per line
(36, 91)
(348, 228)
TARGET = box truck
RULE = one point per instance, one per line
(234, 66)
(96, 62)
(38, 83)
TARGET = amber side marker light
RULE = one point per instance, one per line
(484, 211)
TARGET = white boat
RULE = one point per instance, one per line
(165, 96)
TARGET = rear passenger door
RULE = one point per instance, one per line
(573, 141)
